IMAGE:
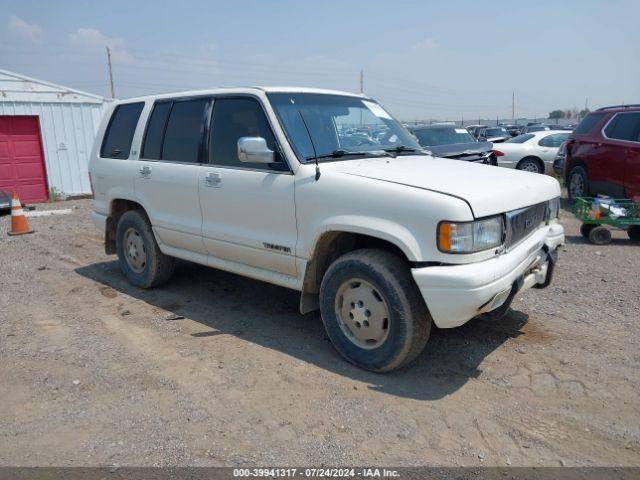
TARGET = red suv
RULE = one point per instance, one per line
(602, 155)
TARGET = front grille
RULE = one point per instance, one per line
(524, 221)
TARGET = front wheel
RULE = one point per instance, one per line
(372, 310)
(600, 235)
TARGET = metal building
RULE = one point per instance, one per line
(46, 135)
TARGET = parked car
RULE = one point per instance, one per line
(493, 134)
(449, 141)
(513, 129)
(474, 129)
(535, 128)
(602, 154)
(384, 239)
(532, 152)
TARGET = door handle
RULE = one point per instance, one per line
(145, 172)
(212, 179)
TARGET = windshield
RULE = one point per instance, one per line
(338, 123)
(520, 138)
(430, 137)
(496, 132)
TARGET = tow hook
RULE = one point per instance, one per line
(552, 258)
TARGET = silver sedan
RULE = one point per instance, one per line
(532, 152)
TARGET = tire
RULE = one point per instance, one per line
(577, 183)
(531, 164)
(141, 260)
(585, 229)
(634, 233)
(600, 235)
(365, 285)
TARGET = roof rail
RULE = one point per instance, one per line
(637, 105)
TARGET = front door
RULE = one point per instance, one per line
(167, 178)
(248, 210)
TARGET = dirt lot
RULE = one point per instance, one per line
(96, 372)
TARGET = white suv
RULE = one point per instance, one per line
(325, 193)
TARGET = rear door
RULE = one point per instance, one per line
(169, 169)
(549, 147)
(248, 209)
(623, 136)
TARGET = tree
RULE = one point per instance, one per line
(584, 112)
(556, 114)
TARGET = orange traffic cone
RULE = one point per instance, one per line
(19, 224)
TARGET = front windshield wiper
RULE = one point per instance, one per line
(402, 149)
(343, 153)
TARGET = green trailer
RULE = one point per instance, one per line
(596, 212)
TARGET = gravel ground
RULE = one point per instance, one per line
(216, 369)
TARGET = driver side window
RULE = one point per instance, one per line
(234, 118)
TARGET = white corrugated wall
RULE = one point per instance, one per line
(67, 131)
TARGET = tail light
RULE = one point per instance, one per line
(498, 153)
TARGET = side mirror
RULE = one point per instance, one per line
(254, 150)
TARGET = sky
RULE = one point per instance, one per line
(420, 59)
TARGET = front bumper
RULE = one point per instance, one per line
(455, 294)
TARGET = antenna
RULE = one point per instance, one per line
(315, 153)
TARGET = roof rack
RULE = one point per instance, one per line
(620, 106)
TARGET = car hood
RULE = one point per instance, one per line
(460, 150)
(487, 189)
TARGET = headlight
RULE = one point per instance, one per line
(470, 237)
(554, 208)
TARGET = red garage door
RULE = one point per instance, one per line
(21, 162)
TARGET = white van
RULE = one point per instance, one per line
(326, 193)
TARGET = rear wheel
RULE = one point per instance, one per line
(141, 260)
(585, 229)
(634, 233)
(600, 235)
(577, 183)
(372, 310)
(530, 164)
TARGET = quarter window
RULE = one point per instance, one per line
(122, 127)
(184, 130)
(234, 118)
(624, 126)
(588, 123)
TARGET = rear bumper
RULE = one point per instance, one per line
(99, 220)
(455, 294)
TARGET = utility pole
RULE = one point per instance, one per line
(113, 92)
(361, 81)
(513, 107)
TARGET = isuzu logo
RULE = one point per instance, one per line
(528, 223)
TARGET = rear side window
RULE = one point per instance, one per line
(119, 134)
(152, 147)
(624, 126)
(588, 123)
(184, 131)
(234, 118)
(554, 140)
